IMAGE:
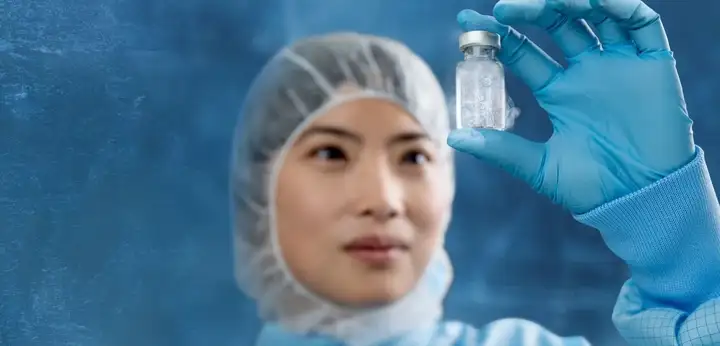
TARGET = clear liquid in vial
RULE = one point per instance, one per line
(480, 89)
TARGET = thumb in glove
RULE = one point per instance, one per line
(518, 156)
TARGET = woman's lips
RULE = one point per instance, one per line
(375, 256)
(376, 250)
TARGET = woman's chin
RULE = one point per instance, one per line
(372, 295)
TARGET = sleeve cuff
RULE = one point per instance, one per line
(668, 234)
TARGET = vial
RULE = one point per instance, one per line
(480, 83)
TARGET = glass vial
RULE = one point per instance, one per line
(480, 83)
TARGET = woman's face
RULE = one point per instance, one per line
(362, 202)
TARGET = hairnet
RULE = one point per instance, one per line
(298, 84)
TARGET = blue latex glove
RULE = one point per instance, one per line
(618, 112)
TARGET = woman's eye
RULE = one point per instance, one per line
(415, 158)
(330, 154)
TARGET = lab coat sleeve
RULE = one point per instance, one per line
(669, 235)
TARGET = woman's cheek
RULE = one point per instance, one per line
(423, 208)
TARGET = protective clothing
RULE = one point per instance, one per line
(652, 218)
(619, 117)
(621, 134)
(300, 83)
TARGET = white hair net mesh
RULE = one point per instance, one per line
(299, 83)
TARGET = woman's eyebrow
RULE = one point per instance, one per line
(409, 136)
(402, 137)
(329, 130)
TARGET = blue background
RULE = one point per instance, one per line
(115, 126)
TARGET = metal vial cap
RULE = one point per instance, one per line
(479, 38)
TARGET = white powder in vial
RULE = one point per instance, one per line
(481, 101)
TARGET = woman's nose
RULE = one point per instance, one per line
(379, 194)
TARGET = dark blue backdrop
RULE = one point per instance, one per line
(115, 125)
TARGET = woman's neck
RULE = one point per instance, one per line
(273, 334)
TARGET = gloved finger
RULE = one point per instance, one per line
(520, 157)
(642, 22)
(519, 54)
(608, 31)
(573, 36)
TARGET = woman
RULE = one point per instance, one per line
(342, 183)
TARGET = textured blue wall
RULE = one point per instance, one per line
(115, 125)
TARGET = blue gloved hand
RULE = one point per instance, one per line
(618, 113)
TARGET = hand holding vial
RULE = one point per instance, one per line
(615, 82)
